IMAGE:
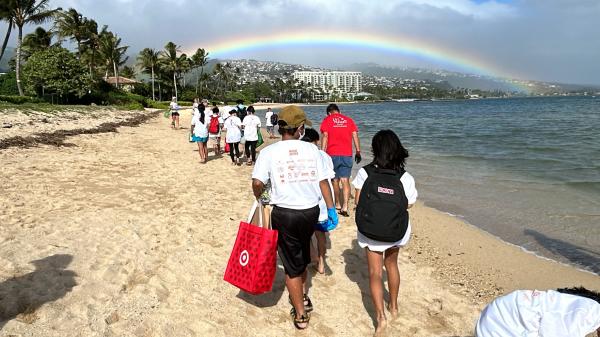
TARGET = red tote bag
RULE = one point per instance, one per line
(252, 263)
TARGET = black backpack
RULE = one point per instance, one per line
(381, 213)
(242, 112)
(274, 119)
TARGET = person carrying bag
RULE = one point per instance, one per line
(252, 263)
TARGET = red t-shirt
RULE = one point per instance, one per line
(339, 129)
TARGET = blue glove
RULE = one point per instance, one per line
(332, 216)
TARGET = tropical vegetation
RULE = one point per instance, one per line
(44, 69)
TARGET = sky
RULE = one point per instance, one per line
(547, 40)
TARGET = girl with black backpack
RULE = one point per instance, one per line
(384, 193)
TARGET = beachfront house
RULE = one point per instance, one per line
(124, 83)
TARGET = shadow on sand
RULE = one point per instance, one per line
(357, 271)
(21, 296)
(268, 299)
(577, 255)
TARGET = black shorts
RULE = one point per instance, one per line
(173, 114)
(295, 228)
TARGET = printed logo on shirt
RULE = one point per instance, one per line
(293, 152)
(385, 190)
(339, 122)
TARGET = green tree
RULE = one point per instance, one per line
(200, 60)
(6, 15)
(91, 45)
(71, 24)
(148, 61)
(8, 84)
(113, 53)
(26, 12)
(40, 39)
(55, 70)
(172, 62)
(128, 72)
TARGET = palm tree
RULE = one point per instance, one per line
(91, 45)
(200, 59)
(24, 12)
(148, 60)
(185, 65)
(113, 53)
(40, 39)
(172, 61)
(71, 24)
(6, 15)
(128, 72)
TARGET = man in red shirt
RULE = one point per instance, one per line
(339, 132)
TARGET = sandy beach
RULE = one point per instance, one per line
(126, 234)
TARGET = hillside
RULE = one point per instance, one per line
(10, 53)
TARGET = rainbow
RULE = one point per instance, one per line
(403, 45)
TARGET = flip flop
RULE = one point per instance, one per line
(344, 214)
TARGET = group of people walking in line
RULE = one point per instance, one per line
(307, 179)
(240, 124)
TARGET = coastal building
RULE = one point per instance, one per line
(338, 83)
(124, 83)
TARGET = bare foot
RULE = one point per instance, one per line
(393, 313)
(381, 325)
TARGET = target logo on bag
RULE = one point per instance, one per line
(244, 258)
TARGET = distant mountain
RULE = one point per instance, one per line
(455, 79)
(10, 53)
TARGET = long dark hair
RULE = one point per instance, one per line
(201, 108)
(388, 152)
(581, 291)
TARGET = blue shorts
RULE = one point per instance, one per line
(342, 166)
(199, 139)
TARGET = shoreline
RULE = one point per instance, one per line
(119, 223)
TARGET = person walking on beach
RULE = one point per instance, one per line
(323, 225)
(200, 132)
(339, 132)
(568, 312)
(214, 130)
(384, 193)
(233, 127)
(174, 108)
(270, 121)
(251, 125)
(298, 179)
(241, 108)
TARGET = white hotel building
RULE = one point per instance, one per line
(344, 83)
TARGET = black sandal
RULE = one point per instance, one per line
(305, 318)
(344, 214)
(308, 306)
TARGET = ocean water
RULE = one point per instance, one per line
(526, 170)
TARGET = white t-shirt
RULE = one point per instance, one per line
(295, 169)
(408, 182)
(322, 206)
(224, 112)
(268, 118)
(251, 124)
(173, 106)
(195, 112)
(233, 126)
(200, 130)
(540, 314)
